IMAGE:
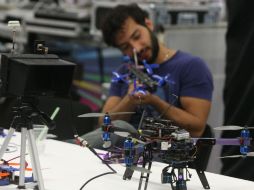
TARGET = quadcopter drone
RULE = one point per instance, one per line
(142, 73)
(173, 146)
(156, 137)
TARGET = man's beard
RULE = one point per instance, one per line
(154, 47)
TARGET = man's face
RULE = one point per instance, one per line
(138, 37)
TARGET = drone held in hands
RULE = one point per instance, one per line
(172, 145)
(142, 76)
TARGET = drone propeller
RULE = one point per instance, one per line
(127, 134)
(250, 154)
(149, 67)
(119, 78)
(103, 114)
(231, 127)
(163, 80)
(122, 133)
(140, 169)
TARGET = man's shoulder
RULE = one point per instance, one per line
(185, 57)
(182, 58)
(186, 61)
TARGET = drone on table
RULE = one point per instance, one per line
(159, 138)
(155, 137)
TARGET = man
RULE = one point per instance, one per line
(128, 28)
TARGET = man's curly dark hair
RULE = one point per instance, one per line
(115, 19)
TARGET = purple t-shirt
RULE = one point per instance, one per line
(190, 75)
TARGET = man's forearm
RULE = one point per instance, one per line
(180, 117)
(124, 105)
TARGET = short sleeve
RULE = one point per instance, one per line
(118, 89)
(196, 80)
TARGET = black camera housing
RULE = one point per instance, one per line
(35, 75)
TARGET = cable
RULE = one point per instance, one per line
(169, 106)
(82, 142)
(95, 178)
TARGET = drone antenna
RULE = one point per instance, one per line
(141, 119)
(14, 25)
(135, 57)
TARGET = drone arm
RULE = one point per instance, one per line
(220, 141)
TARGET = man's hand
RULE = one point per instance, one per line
(142, 98)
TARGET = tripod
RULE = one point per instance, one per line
(22, 120)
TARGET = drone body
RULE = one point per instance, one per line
(167, 142)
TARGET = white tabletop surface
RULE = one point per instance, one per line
(67, 166)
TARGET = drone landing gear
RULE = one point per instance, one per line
(145, 172)
(22, 120)
(178, 182)
(144, 176)
(202, 177)
(128, 173)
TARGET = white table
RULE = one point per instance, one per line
(67, 167)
